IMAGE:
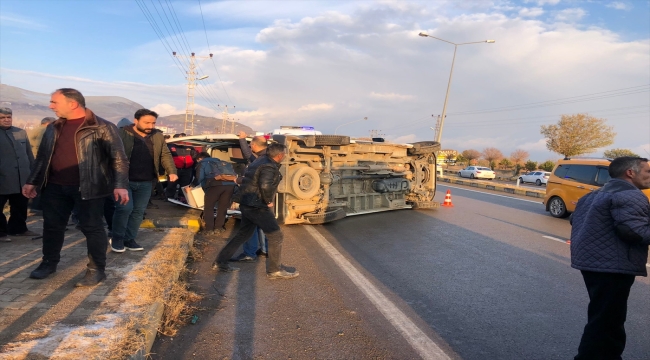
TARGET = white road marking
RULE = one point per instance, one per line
(426, 347)
(554, 238)
(487, 193)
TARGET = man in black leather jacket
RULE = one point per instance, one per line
(81, 161)
(258, 189)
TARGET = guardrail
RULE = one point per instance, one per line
(488, 185)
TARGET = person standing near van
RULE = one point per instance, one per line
(184, 159)
(217, 178)
(610, 235)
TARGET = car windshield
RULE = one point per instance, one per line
(486, 169)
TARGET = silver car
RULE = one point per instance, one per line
(537, 177)
(477, 172)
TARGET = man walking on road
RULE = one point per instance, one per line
(258, 189)
(250, 248)
(15, 162)
(609, 245)
(80, 161)
(147, 151)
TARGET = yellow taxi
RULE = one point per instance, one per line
(573, 178)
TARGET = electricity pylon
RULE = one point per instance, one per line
(188, 127)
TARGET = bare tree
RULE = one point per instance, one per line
(470, 155)
(617, 153)
(492, 155)
(519, 157)
(577, 134)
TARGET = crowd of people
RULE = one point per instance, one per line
(104, 176)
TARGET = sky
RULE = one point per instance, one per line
(330, 64)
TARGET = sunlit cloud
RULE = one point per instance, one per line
(316, 107)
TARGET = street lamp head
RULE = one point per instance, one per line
(490, 41)
(203, 77)
(423, 34)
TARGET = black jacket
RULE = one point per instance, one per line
(103, 165)
(161, 154)
(260, 183)
(611, 230)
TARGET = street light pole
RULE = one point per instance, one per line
(451, 73)
(351, 122)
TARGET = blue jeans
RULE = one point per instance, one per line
(127, 218)
(250, 247)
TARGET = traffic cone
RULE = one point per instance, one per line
(448, 199)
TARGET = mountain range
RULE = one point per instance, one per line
(30, 107)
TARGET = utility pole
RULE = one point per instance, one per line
(224, 120)
(188, 127)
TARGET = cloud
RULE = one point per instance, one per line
(166, 110)
(543, 2)
(405, 139)
(531, 12)
(21, 22)
(570, 15)
(316, 107)
(536, 146)
(619, 5)
(390, 96)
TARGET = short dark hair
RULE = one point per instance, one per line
(166, 136)
(259, 140)
(620, 165)
(144, 112)
(275, 149)
(73, 94)
(203, 155)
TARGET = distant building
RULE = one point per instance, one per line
(447, 156)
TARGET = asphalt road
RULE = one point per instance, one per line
(486, 279)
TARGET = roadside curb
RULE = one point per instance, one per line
(494, 187)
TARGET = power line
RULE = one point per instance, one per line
(209, 49)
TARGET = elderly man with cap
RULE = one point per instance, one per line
(15, 162)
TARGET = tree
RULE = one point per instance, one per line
(531, 165)
(470, 155)
(518, 157)
(577, 134)
(505, 163)
(460, 159)
(547, 165)
(451, 157)
(617, 153)
(492, 155)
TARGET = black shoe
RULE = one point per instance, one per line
(43, 270)
(282, 274)
(243, 258)
(131, 245)
(92, 278)
(261, 253)
(117, 245)
(224, 268)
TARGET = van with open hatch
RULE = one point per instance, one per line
(571, 179)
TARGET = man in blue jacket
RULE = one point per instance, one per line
(217, 179)
(609, 245)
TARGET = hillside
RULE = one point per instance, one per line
(30, 107)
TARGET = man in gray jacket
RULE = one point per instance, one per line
(15, 162)
(609, 245)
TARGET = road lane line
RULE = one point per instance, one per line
(426, 347)
(554, 238)
(487, 193)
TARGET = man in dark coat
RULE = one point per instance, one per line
(15, 162)
(80, 162)
(258, 189)
(609, 245)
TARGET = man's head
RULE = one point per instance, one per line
(202, 155)
(68, 103)
(258, 143)
(276, 152)
(5, 117)
(634, 170)
(46, 120)
(145, 120)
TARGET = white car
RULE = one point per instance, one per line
(537, 177)
(477, 172)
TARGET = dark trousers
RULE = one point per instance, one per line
(184, 179)
(604, 334)
(109, 210)
(213, 194)
(58, 201)
(251, 218)
(17, 214)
